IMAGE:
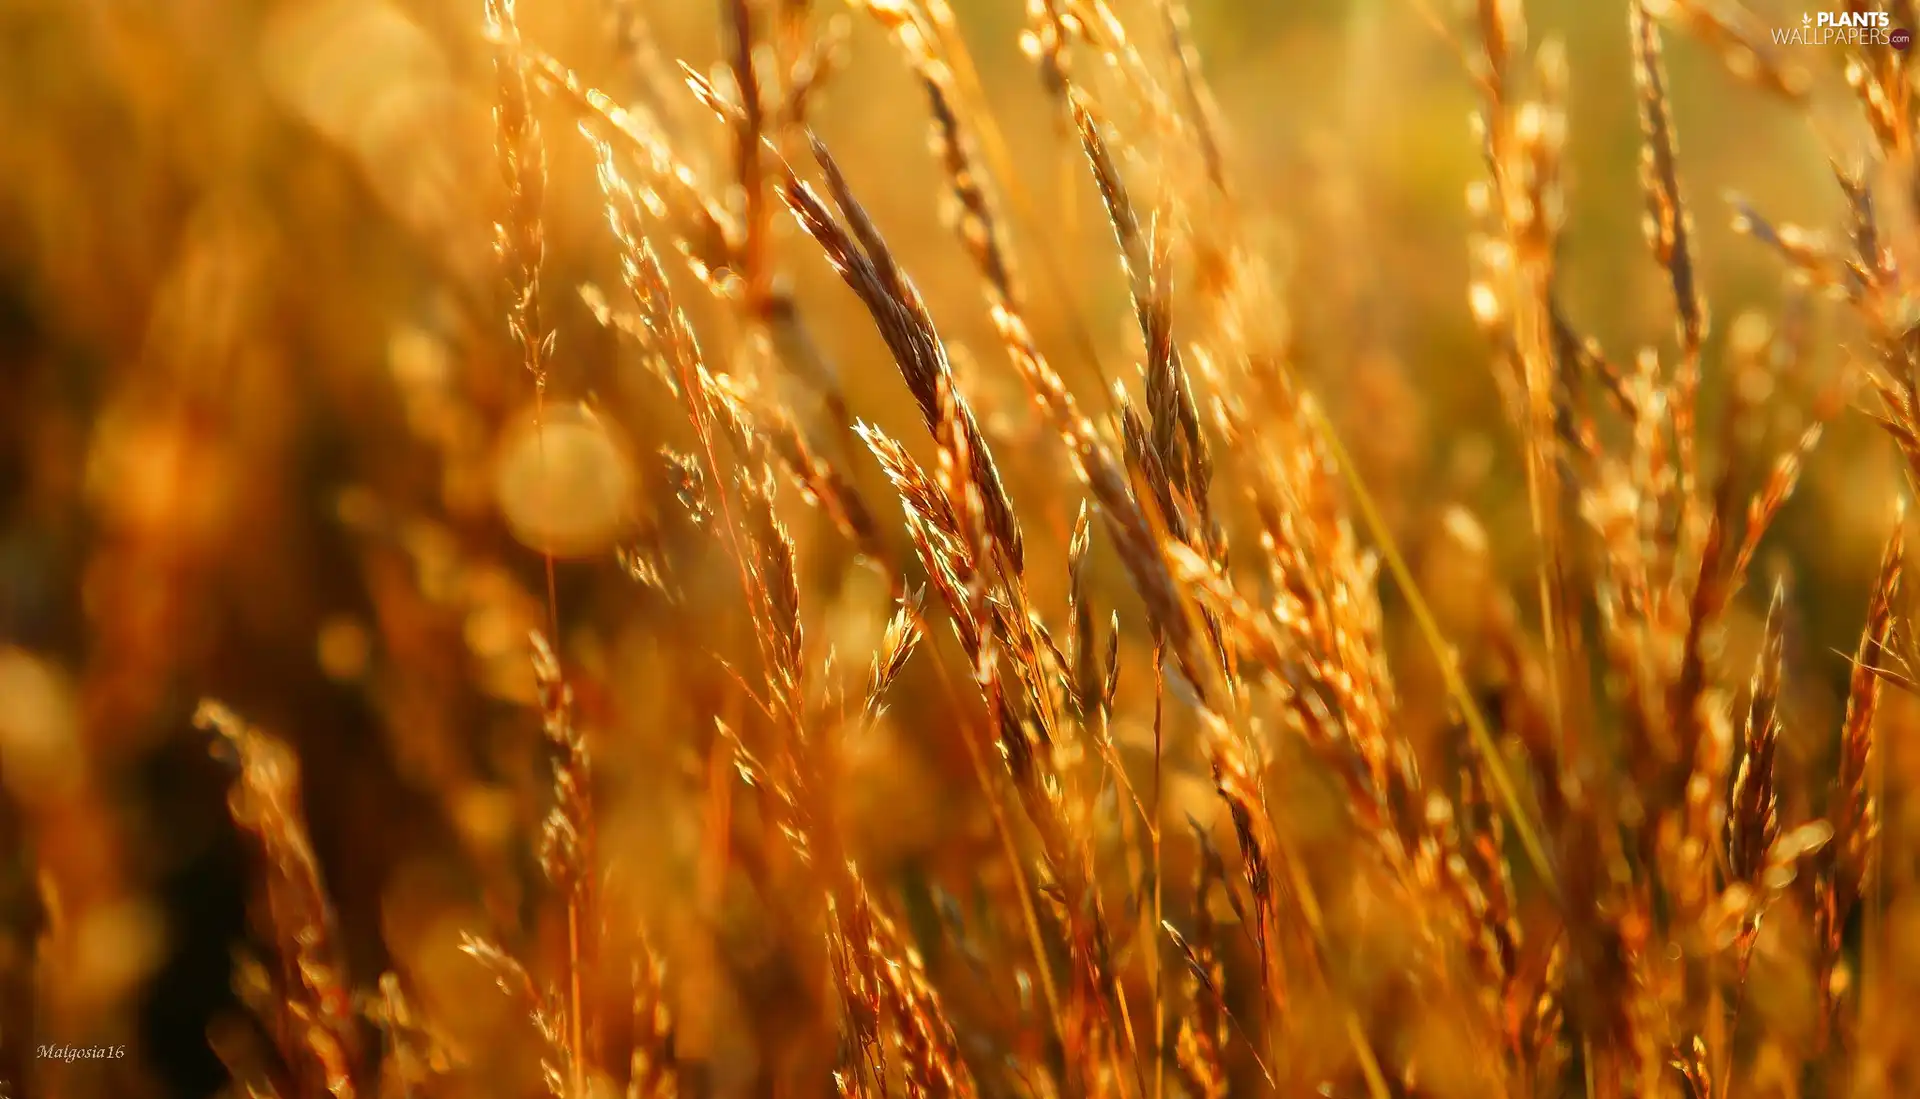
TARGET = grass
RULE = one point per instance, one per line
(952, 698)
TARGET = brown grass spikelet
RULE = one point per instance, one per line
(1497, 938)
(1083, 667)
(936, 532)
(1690, 1063)
(520, 238)
(1175, 418)
(779, 578)
(1202, 109)
(1741, 39)
(1669, 227)
(547, 1012)
(820, 480)
(1668, 223)
(565, 851)
(568, 850)
(980, 229)
(749, 130)
(863, 260)
(927, 1044)
(651, 1072)
(1202, 1035)
(902, 636)
(973, 210)
(1809, 252)
(1753, 816)
(1781, 480)
(417, 1051)
(708, 235)
(1856, 813)
(323, 1048)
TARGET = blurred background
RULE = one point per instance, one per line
(255, 403)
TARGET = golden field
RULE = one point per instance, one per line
(1108, 548)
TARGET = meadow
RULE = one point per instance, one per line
(1127, 549)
